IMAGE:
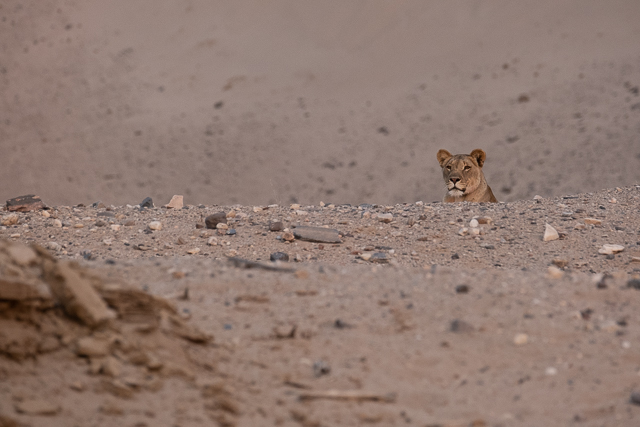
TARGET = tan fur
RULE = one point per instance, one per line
(463, 177)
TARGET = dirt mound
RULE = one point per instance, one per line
(129, 339)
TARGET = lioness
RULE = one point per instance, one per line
(463, 177)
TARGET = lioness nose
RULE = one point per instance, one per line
(454, 180)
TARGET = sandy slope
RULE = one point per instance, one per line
(251, 102)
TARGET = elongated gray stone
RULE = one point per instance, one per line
(317, 234)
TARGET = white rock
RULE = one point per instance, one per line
(10, 219)
(475, 231)
(176, 202)
(115, 227)
(463, 231)
(550, 371)
(57, 223)
(212, 241)
(385, 217)
(45, 214)
(592, 221)
(610, 249)
(193, 251)
(155, 225)
(550, 233)
(521, 339)
(473, 223)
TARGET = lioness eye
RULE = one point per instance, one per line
(448, 168)
(467, 168)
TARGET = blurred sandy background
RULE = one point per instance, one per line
(258, 102)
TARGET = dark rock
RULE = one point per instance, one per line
(276, 226)
(320, 368)
(462, 289)
(98, 205)
(317, 234)
(455, 256)
(107, 214)
(217, 218)
(231, 232)
(458, 325)
(146, 203)
(635, 397)
(279, 256)
(25, 203)
(379, 257)
(635, 284)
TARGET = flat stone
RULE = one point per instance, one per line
(276, 226)
(12, 289)
(279, 256)
(176, 202)
(317, 234)
(77, 296)
(213, 220)
(288, 236)
(25, 203)
(37, 407)
(592, 221)
(610, 249)
(385, 217)
(550, 233)
(485, 220)
(379, 257)
(155, 225)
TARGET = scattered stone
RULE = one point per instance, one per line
(276, 226)
(25, 203)
(193, 251)
(288, 236)
(460, 326)
(155, 225)
(385, 217)
(317, 234)
(463, 231)
(57, 223)
(487, 246)
(213, 241)
(320, 368)
(634, 284)
(379, 258)
(462, 289)
(551, 371)
(592, 221)
(474, 223)
(11, 219)
(115, 227)
(213, 220)
(610, 249)
(485, 220)
(111, 367)
(146, 203)
(521, 339)
(560, 263)
(37, 407)
(285, 331)
(176, 202)
(279, 256)
(365, 257)
(45, 214)
(635, 397)
(550, 233)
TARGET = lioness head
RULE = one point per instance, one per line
(463, 177)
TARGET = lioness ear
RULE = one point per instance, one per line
(443, 156)
(479, 155)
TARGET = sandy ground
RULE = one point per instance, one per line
(443, 323)
(419, 316)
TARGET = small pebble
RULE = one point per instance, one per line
(473, 223)
(550, 233)
(279, 256)
(521, 339)
(550, 371)
(155, 225)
